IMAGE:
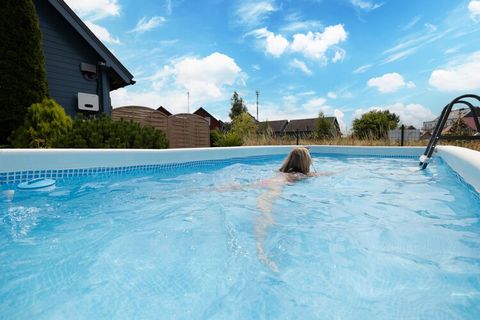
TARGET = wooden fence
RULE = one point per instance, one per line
(183, 130)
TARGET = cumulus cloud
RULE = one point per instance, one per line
(253, 13)
(205, 78)
(275, 45)
(297, 64)
(102, 33)
(95, 9)
(410, 114)
(316, 104)
(389, 82)
(474, 8)
(365, 5)
(460, 77)
(314, 45)
(145, 25)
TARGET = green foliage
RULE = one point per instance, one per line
(103, 132)
(229, 139)
(244, 124)
(45, 123)
(238, 106)
(325, 128)
(22, 64)
(375, 124)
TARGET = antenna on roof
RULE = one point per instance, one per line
(188, 101)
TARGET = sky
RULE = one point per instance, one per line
(339, 57)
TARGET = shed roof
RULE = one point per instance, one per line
(125, 77)
(276, 126)
(307, 125)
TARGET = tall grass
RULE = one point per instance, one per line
(268, 139)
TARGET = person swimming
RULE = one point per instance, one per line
(295, 167)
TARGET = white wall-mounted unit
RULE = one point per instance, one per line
(88, 102)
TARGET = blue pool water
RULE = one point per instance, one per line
(376, 239)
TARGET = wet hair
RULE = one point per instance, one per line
(297, 161)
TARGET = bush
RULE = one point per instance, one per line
(103, 132)
(229, 139)
(22, 64)
(45, 124)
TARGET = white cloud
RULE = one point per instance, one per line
(316, 104)
(296, 26)
(102, 33)
(389, 82)
(461, 77)
(145, 25)
(339, 55)
(295, 63)
(411, 23)
(205, 78)
(341, 123)
(474, 8)
(365, 5)
(410, 114)
(95, 9)
(362, 69)
(275, 45)
(314, 45)
(332, 95)
(253, 13)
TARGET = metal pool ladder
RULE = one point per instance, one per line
(442, 120)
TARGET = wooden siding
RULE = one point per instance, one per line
(64, 51)
(182, 130)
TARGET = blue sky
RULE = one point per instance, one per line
(341, 57)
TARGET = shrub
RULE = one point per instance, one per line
(45, 124)
(103, 132)
(229, 139)
(22, 64)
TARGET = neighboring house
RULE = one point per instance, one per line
(452, 117)
(276, 127)
(212, 121)
(309, 126)
(81, 71)
(164, 111)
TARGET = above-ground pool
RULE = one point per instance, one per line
(371, 237)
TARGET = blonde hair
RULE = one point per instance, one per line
(298, 160)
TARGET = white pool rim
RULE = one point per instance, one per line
(465, 162)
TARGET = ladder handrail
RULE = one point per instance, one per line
(437, 132)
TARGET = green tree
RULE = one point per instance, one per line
(325, 128)
(238, 106)
(45, 124)
(244, 124)
(375, 124)
(22, 63)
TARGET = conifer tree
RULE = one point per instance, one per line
(22, 64)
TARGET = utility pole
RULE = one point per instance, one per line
(188, 101)
(257, 102)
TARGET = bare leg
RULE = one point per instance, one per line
(265, 203)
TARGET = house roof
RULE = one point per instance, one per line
(123, 76)
(276, 126)
(307, 124)
(477, 111)
(205, 111)
(164, 111)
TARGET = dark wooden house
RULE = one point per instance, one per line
(309, 126)
(276, 127)
(81, 71)
(164, 111)
(212, 121)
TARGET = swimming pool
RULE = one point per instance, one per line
(375, 239)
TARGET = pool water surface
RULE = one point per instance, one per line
(374, 238)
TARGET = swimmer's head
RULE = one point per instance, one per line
(297, 161)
